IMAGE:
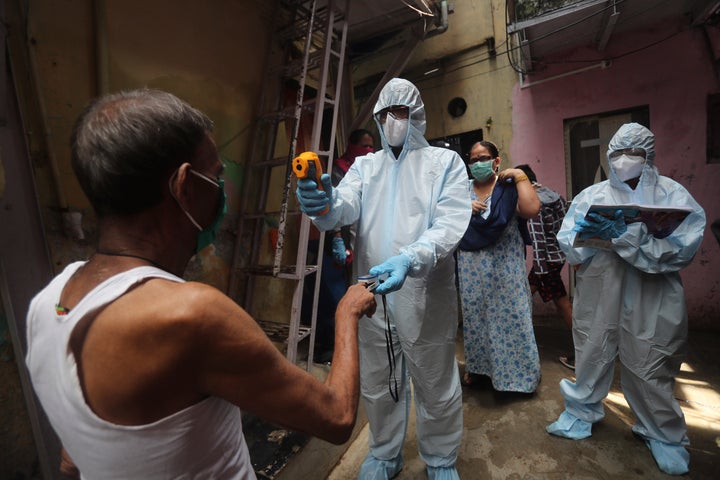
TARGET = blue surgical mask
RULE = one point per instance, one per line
(481, 171)
(207, 235)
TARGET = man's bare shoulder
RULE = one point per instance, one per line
(198, 325)
(163, 310)
(152, 346)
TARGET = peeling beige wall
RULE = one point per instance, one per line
(211, 54)
(2, 176)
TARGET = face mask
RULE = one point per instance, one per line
(395, 130)
(481, 171)
(354, 151)
(627, 166)
(207, 235)
(358, 151)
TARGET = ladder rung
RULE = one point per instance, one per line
(298, 29)
(280, 116)
(295, 67)
(286, 271)
(288, 113)
(280, 332)
(256, 215)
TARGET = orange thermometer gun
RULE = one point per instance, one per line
(301, 167)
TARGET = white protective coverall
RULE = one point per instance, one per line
(629, 303)
(417, 204)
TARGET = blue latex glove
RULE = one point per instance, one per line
(339, 251)
(596, 225)
(312, 200)
(397, 267)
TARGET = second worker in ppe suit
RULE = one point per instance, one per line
(629, 302)
(412, 206)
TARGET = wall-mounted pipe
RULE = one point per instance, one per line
(399, 63)
(442, 23)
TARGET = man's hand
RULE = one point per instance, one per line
(312, 200)
(358, 301)
(596, 225)
(397, 267)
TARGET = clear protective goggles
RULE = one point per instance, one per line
(633, 152)
(399, 112)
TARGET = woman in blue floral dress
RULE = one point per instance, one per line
(495, 295)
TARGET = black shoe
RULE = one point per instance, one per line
(568, 361)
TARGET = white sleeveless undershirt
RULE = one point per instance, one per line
(203, 441)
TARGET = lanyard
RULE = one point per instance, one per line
(392, 377)
(371, 283)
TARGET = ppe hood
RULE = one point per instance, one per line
(399, 91)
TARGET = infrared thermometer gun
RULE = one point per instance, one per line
(301, 166)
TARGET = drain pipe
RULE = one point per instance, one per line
(442, 21)
(398, 65)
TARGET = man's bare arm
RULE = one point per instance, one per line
(239, 363)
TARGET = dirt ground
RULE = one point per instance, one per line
(18, 460)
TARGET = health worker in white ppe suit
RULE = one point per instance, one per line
(629, 302)
(412, 205)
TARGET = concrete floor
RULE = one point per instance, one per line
(504, 434)
(503, 438)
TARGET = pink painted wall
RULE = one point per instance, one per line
(674, 78)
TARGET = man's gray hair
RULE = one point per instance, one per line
(126, 145)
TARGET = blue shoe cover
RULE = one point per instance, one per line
(671, 459)
(376, 469)
(442, 473)
(569, 426)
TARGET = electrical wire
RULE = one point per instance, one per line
(609, 58)
(615, 57)
(511, 49)
(548, 34)
(428, 13)
(508, 51)
(390, 350)
(626, 18)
